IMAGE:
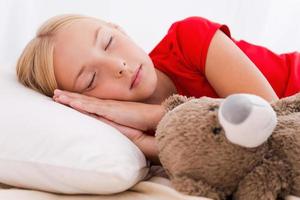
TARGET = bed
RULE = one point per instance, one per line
(261, 27)
(35, 150)
(136, 179)
(156, 187)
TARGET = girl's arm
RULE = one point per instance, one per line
(146, 143)
(131, 114)
(120, 115)
(229, 70)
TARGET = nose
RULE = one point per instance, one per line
(248, 120)
(121, 68)
(116, 66)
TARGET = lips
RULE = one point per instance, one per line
(133, 79)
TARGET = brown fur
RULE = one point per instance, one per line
(201, 161)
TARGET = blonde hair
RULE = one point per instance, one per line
(35, 66)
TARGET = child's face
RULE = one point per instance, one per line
(96, 48)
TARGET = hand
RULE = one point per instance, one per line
(145, 143)
(140, 116)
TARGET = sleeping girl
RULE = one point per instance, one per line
(94, 67)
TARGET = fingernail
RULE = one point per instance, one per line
(63, 97)
(57, 91)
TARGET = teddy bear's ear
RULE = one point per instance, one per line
(287, 105)
(175, 100)
(248, 120)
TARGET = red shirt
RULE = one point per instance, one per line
(181, 55)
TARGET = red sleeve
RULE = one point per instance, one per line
(194, 35)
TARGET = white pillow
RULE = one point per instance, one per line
(48, 146)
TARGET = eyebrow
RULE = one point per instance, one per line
(96, 34)
(83, 68)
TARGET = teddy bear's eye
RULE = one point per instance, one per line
(212, 108)
(216, 130)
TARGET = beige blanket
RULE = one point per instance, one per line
(158, 187)
(153, 189)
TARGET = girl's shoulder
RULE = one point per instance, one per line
(195, 25)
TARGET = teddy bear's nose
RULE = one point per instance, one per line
(236, 109)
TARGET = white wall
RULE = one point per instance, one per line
(273, 23)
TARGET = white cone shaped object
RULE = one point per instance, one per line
(248, 120)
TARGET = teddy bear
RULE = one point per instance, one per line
(239, 147)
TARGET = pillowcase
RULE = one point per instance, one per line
(47, 146)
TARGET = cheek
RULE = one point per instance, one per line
(63, 82)
(109, 90)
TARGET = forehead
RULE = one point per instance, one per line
(72, 44)
(76, 33)
(84, 24)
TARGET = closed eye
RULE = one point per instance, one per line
(109, 42)
(92, 81)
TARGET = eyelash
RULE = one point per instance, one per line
(109, 42)
(92, 81)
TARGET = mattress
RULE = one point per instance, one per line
(155, 187)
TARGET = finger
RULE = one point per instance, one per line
(132, 133)
(63, 99)
(71, 94)
(129, 132)
(60, 92)
(86, 113)
(105, 120)
(66, 99)
(81, 104)
(90, 106)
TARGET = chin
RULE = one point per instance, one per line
(148, 92)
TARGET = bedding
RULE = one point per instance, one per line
(156, 187)
(47, 146)
(134, 179)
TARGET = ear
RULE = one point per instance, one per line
(175, 100)
(115, 26)
(287, 105)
